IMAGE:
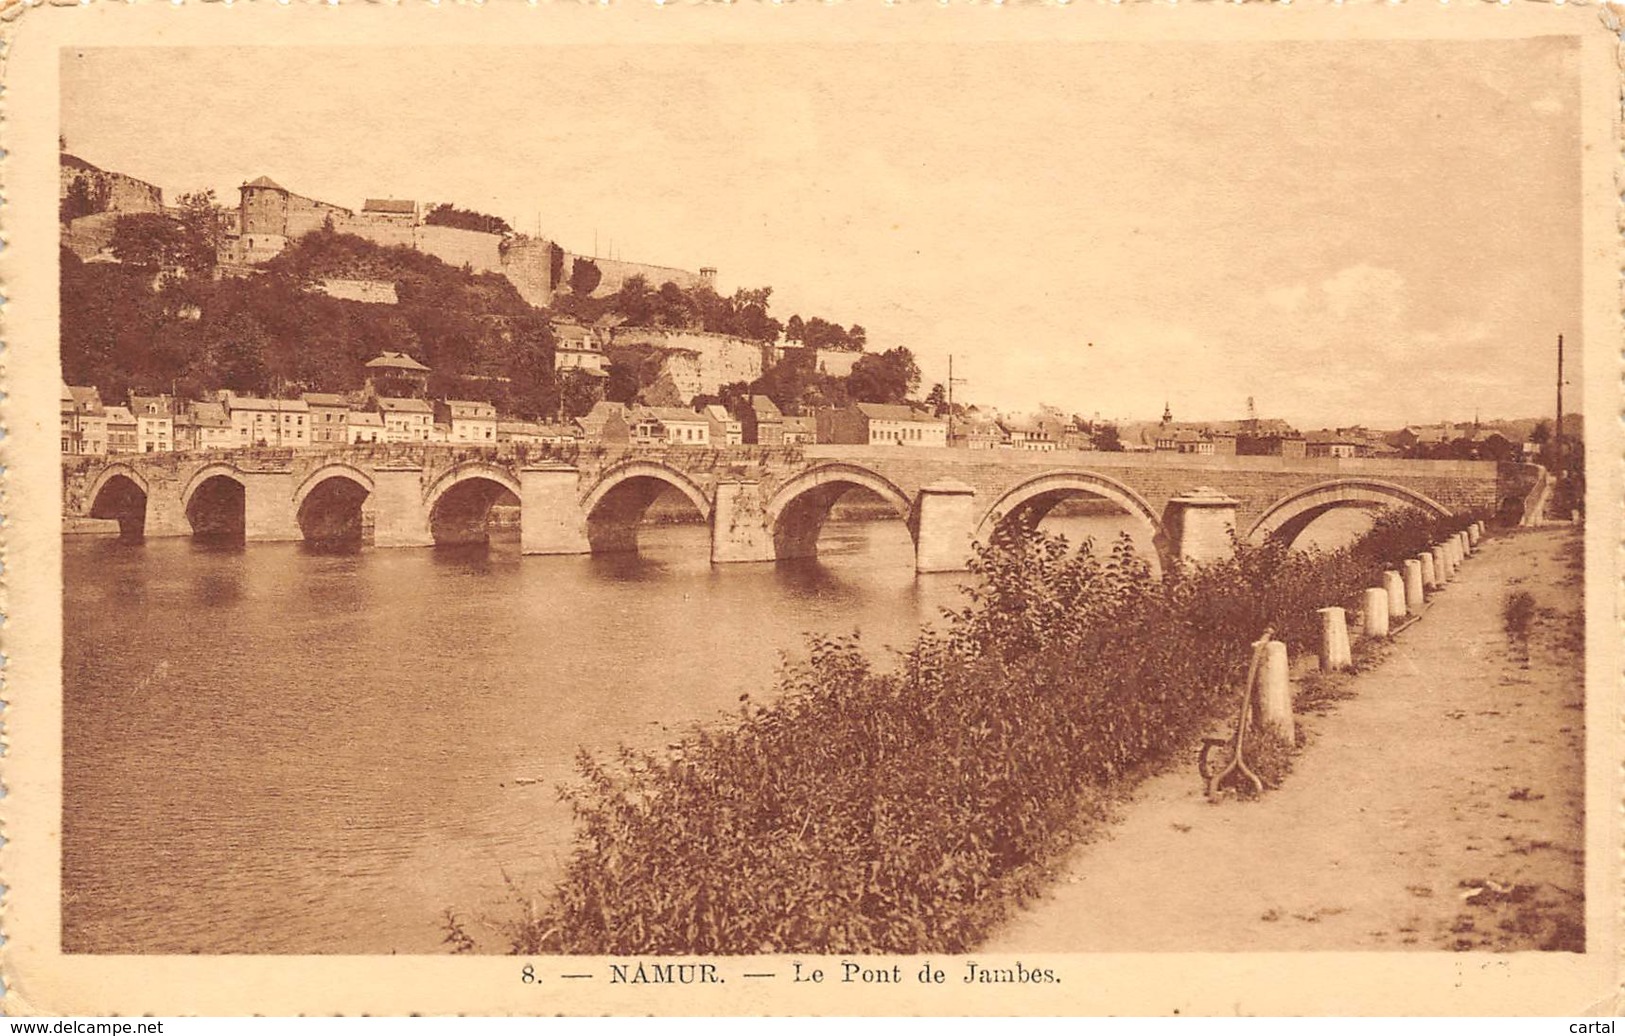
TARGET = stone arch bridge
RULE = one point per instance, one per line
(761, 503)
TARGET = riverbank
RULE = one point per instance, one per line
(1438, 803)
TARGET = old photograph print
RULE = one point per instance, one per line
(823, 498)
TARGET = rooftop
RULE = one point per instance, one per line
(393, 205)
(894, 412)
(265, 181)
(278, 405)
(672, 414)
(403, 405)
(396, 361)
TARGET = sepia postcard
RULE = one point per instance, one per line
(807, 508)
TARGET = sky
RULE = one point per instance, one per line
(1353, 231)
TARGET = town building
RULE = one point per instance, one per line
(762, 422)
(975, 434)
(121, 430)
(406, 419)
(329, 418)
(536, 432)
(1026, 434)
(84, 420)
(800, 431)
(364, 426)
(726, 429)
(212, 426)
(606, 422)
(673, 426)
(1330, 446)
(185, 429)
(467, 421)
(391, 211)
(155, 424)
(277, 423)
(881, 424)
(576, 348)
(396, 374)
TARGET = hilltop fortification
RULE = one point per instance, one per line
(269, 216)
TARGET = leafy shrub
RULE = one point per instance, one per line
(904, 811)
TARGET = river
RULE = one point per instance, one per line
(273, 750)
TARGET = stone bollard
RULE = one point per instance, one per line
(1275, 692)
(1430, 575)
(1466, 543)
(1452, 550)
(1376, 612)
(1441, 564)
(1394, 584)
(1335, 650)
(1413, 586)
(1473, 533)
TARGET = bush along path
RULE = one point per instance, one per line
(912, 810)
(1438, 802)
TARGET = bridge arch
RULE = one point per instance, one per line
(215, 501)
(328, 504)
(120, 492)
(1289, 516)
(1028, 502)
(617, 502)
(459, 502)
(797, 512)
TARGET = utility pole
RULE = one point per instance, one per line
(951, 382)
(1557, 429)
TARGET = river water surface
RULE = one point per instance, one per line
(273, 750)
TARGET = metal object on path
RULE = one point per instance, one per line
(1238, 739)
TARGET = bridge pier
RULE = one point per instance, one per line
(550, 517)
(945, 519)
(166, 511)
(400, 517)
(1199, 524)
(268, 511)
(739, 529)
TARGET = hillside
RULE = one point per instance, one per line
(127, 327)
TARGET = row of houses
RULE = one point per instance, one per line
(315, 420)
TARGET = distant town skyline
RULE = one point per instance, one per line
(1181, 224)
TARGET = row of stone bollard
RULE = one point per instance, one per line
(1402, 593)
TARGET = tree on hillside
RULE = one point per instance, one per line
(84, 198)
(585, 276)
(673, 307)
(856, 338)
(447, 215)
(888, 377)
(1107, 439)
(150, 241)
(937, 400)
(203, 225)
(1541, 433)
(236, 348)
(794, 328)
(751, 317)
(636, 301)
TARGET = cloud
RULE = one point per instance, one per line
(1374, 294)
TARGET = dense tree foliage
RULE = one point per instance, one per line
(124, 329)
(448, 215)
(818, 333)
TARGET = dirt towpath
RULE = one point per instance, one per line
(1438, 806)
